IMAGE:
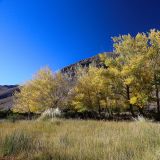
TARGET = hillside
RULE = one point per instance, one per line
(70, 70)
(6, 91)
(6, 96)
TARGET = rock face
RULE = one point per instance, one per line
(7, 91)
(6, 96)
(71, 69)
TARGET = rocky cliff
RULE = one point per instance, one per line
(71, 69)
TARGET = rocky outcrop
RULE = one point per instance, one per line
(6, 96)
(71, 69)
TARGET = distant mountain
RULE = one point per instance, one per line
(7, 91)
(6, 96)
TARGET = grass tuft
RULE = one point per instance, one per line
(80, 140)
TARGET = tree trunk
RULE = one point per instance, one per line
(109, 113)
(99, 108)
(29, 115)
(99, 105)
(157, 94)
(128, 98)
(141, 111)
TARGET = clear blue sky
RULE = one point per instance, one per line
(35, 33)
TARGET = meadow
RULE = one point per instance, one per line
(79, 140)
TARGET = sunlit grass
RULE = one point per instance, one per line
(80, 140)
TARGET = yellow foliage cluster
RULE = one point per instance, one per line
(131, 79)
(46, 90)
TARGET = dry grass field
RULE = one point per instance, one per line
(79, 140)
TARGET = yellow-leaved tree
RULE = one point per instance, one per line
(153, 58)
(129, 71)
(46, 90)
(92, 91)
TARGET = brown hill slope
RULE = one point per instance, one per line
(6, 96)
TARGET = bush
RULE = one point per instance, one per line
(50, 114)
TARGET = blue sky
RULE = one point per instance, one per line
(35, 33)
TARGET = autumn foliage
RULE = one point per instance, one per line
(130, 81)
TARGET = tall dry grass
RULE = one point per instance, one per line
(80, 140)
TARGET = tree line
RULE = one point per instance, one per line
(130, 81)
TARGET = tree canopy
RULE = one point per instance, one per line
(130, 80)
